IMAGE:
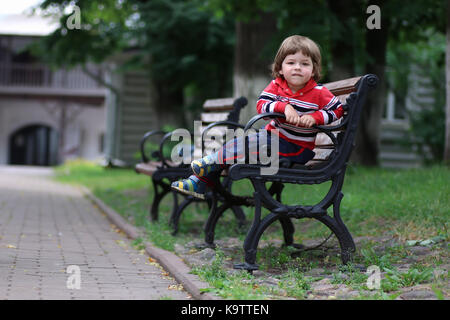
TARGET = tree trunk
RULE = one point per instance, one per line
(169, 103)
(342, 51)
(368, 138)
(447, 89)
(251, 69)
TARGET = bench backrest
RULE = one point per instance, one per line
(342, 136)
(324, 145)
(215, 110)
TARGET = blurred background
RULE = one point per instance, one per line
(86, 79)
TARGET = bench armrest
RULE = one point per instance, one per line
(272, 115)
(166, 162)
(227, 123)
(326, 129)
(144, 138)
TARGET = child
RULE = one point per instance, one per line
(295, 93)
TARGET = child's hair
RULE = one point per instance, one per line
(294, 44)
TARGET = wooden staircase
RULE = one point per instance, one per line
(395, 152)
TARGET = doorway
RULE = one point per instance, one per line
(35, 145)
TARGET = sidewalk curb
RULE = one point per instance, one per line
(168, 260)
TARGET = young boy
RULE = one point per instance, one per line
(294, 92)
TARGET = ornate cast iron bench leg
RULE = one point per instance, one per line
(284, 215)
(158, 196)
(217, 211)
(214, 215)
(339, 229)
(176, 213)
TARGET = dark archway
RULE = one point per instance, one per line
(34, 145)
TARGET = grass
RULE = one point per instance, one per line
(404, 205)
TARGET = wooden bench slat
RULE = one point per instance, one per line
(149, 168)
(342, 98)
(223, 104)
(214, 117)
(343, 86)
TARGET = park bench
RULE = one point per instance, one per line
(156, 164)
(334, 144)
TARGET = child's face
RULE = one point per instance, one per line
(297, 69)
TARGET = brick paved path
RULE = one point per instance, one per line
(46, 226)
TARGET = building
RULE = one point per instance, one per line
(50, 116)
(46, 116)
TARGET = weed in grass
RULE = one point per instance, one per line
(438, 292)
(414, 276)
(377, 296)
(372, 258)
(272, 257)
(351, 276)
(237, 285)
(295, 284)
(138, 243)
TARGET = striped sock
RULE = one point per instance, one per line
(205, 165)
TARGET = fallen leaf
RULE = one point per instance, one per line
(178, 287)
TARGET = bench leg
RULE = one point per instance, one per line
(239, 215)
(174, 208)
(176, 214)
(157, 197)
(341, 232)
(214, 216)
(288, 230)
(253, 235)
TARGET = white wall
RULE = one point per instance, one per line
(85, 129)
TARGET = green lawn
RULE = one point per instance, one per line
(402, 204)
(409, 204)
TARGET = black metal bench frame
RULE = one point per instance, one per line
(163, 172)
(331, 170)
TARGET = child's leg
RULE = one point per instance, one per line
(205, 171)
(206, 165)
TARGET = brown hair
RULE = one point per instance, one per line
(294, 44)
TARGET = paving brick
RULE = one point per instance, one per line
(46, 226)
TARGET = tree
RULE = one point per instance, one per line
(447, 86)
(250, 78)
(186, 62)
(185, 50)
(368, 137)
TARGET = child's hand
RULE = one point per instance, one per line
(292, 116)
(307, 121)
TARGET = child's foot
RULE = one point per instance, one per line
(204, 166)
(191, 186)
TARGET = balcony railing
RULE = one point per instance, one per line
(41, 76)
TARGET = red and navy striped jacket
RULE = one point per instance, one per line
(312, 99)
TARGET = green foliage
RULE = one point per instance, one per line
(372, 258)
(422, 58)
(351, 276)
(104, 32)
(295, 283)
(413, 276)
(187, 50)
